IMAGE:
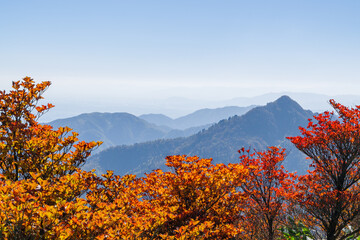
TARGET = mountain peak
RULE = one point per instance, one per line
(285, 99)
(285, 102)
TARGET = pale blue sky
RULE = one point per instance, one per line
(132, 51)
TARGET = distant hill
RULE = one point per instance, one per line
(112, 128)
(260, 127)
(198, 118)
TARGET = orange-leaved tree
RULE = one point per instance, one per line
(268, 189)
(43, 209)
(196, 200)
(29, 147)
(39, 166)
(114, 209)
(330, 193)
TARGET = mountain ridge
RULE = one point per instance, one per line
(200, 117)
(124, 128)
(260, 127)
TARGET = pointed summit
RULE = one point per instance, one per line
(285, 102)
(284, 98)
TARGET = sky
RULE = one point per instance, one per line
(135, 55)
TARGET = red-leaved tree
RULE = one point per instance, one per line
(330, 193)
(268, 188)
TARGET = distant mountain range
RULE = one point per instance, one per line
(176, 107)
(198, 118)
(124, 129)
(260, 127)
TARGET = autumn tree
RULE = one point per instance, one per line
(39, 166)
(268, 187)
(113, 209)
(196, 200)
(29, 147)
(330, 193)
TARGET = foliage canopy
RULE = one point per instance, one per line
(45, 195)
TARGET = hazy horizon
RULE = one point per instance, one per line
(115, 56)
(177, 107)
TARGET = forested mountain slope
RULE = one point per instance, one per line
(119, 129)
(260, 127)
